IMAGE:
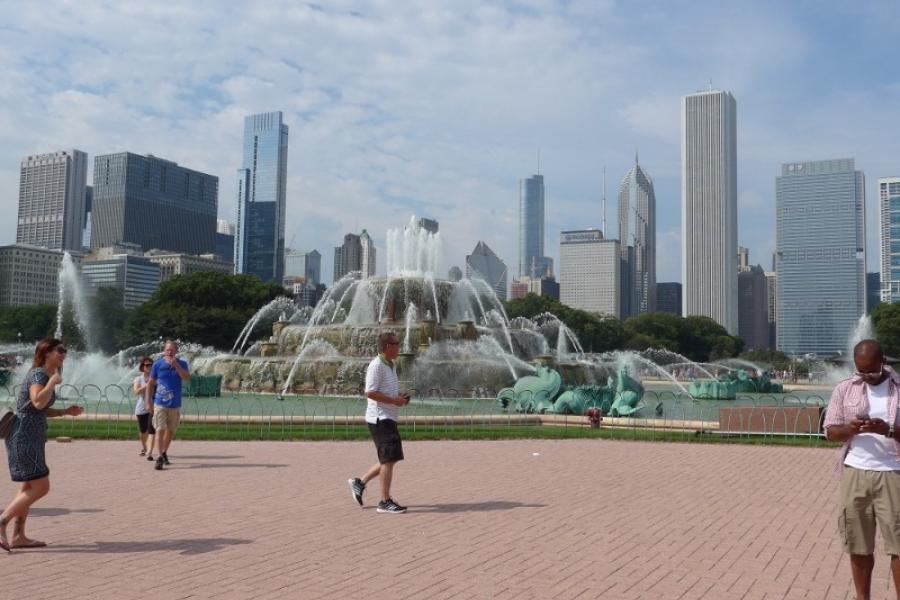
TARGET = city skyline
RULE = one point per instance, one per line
(432, 125)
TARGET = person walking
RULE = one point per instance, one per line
(26, 442)
(146, 432)
(382, 411)
(163, 398)
(862, 413)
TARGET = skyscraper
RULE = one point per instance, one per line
(637, 240)
(889, 201)
(753, 303)
(820, 255)
(590, 272)
(668, 297)
(709, 206)
(308, 265)
(262, 185)
(532, 262)
(52, 200)
(484, 264)
(154, 203)
(357, 253)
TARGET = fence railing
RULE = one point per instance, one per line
(109, 414)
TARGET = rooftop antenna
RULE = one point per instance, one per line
(604, 201)
(539, 161)
(710, 84)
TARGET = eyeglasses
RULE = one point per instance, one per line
(146, 364)
(393, 343)
(869, 374)
(61, 350)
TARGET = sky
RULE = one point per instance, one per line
(438, 109)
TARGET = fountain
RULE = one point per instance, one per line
(454, 335)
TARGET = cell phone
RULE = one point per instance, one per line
(862, 416)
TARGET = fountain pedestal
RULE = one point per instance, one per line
(466, 330)
(405, 361)
(545, 360)
(428, 331)
(278, 326)
(268, 349)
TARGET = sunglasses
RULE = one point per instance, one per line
(146, 365)
(869, 374)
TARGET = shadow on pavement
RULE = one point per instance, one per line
(184, 547)
(206, 457)
(471, 507)
(225, 466)
(58, 512)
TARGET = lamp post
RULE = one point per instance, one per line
(19, 335)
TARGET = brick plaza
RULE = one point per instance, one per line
(541, 519)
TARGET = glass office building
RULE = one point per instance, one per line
(532, 262)
(889, 201)
(262, 183)
(154, 203)
(820, 256)
(52, 189)
(637, 239)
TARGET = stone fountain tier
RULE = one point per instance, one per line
(346, 375)
(361, 340)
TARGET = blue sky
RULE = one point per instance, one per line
(439, 109)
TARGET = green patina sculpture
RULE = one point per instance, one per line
(540, 393)
(729, 386)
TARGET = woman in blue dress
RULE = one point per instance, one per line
(25, 443)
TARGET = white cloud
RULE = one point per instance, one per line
(395, 109)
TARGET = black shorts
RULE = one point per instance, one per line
(145, 424)
(387, 440)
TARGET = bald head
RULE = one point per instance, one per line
(869, 360)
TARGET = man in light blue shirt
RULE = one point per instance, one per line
(163, 398)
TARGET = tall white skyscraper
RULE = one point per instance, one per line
(637, 239)
(52, 200)
(709, 207)
(889, 201)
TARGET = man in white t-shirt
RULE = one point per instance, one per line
(862, 413)
(382, 410)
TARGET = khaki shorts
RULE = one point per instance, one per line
(166, 418)
(869, 497)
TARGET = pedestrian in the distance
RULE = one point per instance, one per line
(146, 431)
(382, 411)
(163, 398)
(28, 437)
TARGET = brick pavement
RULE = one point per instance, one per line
(581, 519)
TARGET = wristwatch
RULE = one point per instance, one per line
(891, 431)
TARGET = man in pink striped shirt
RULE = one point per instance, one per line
(862, 413)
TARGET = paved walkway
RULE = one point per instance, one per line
(506, 519)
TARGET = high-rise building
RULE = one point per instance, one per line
(637, 240)
(172, 264)
(356, 254)
(52, 200)
(154, 203)
(545, 286)
(136, 276)
(821, 255)
(300, 263)
(668, 297)
(86, 225)
(889, 202)
(262, 199)
(532, 262)
(772, 293)
(709, 207)
(429, 225)
(30, 275)
(873, 291)
(484, 264)
(753, 303)
(225, 240)
(590, 272)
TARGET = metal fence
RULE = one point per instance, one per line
(109, 414)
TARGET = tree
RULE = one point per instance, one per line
(886, 319)
(33, 322)
(107, 306)
(207, 308)
(654, 330)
